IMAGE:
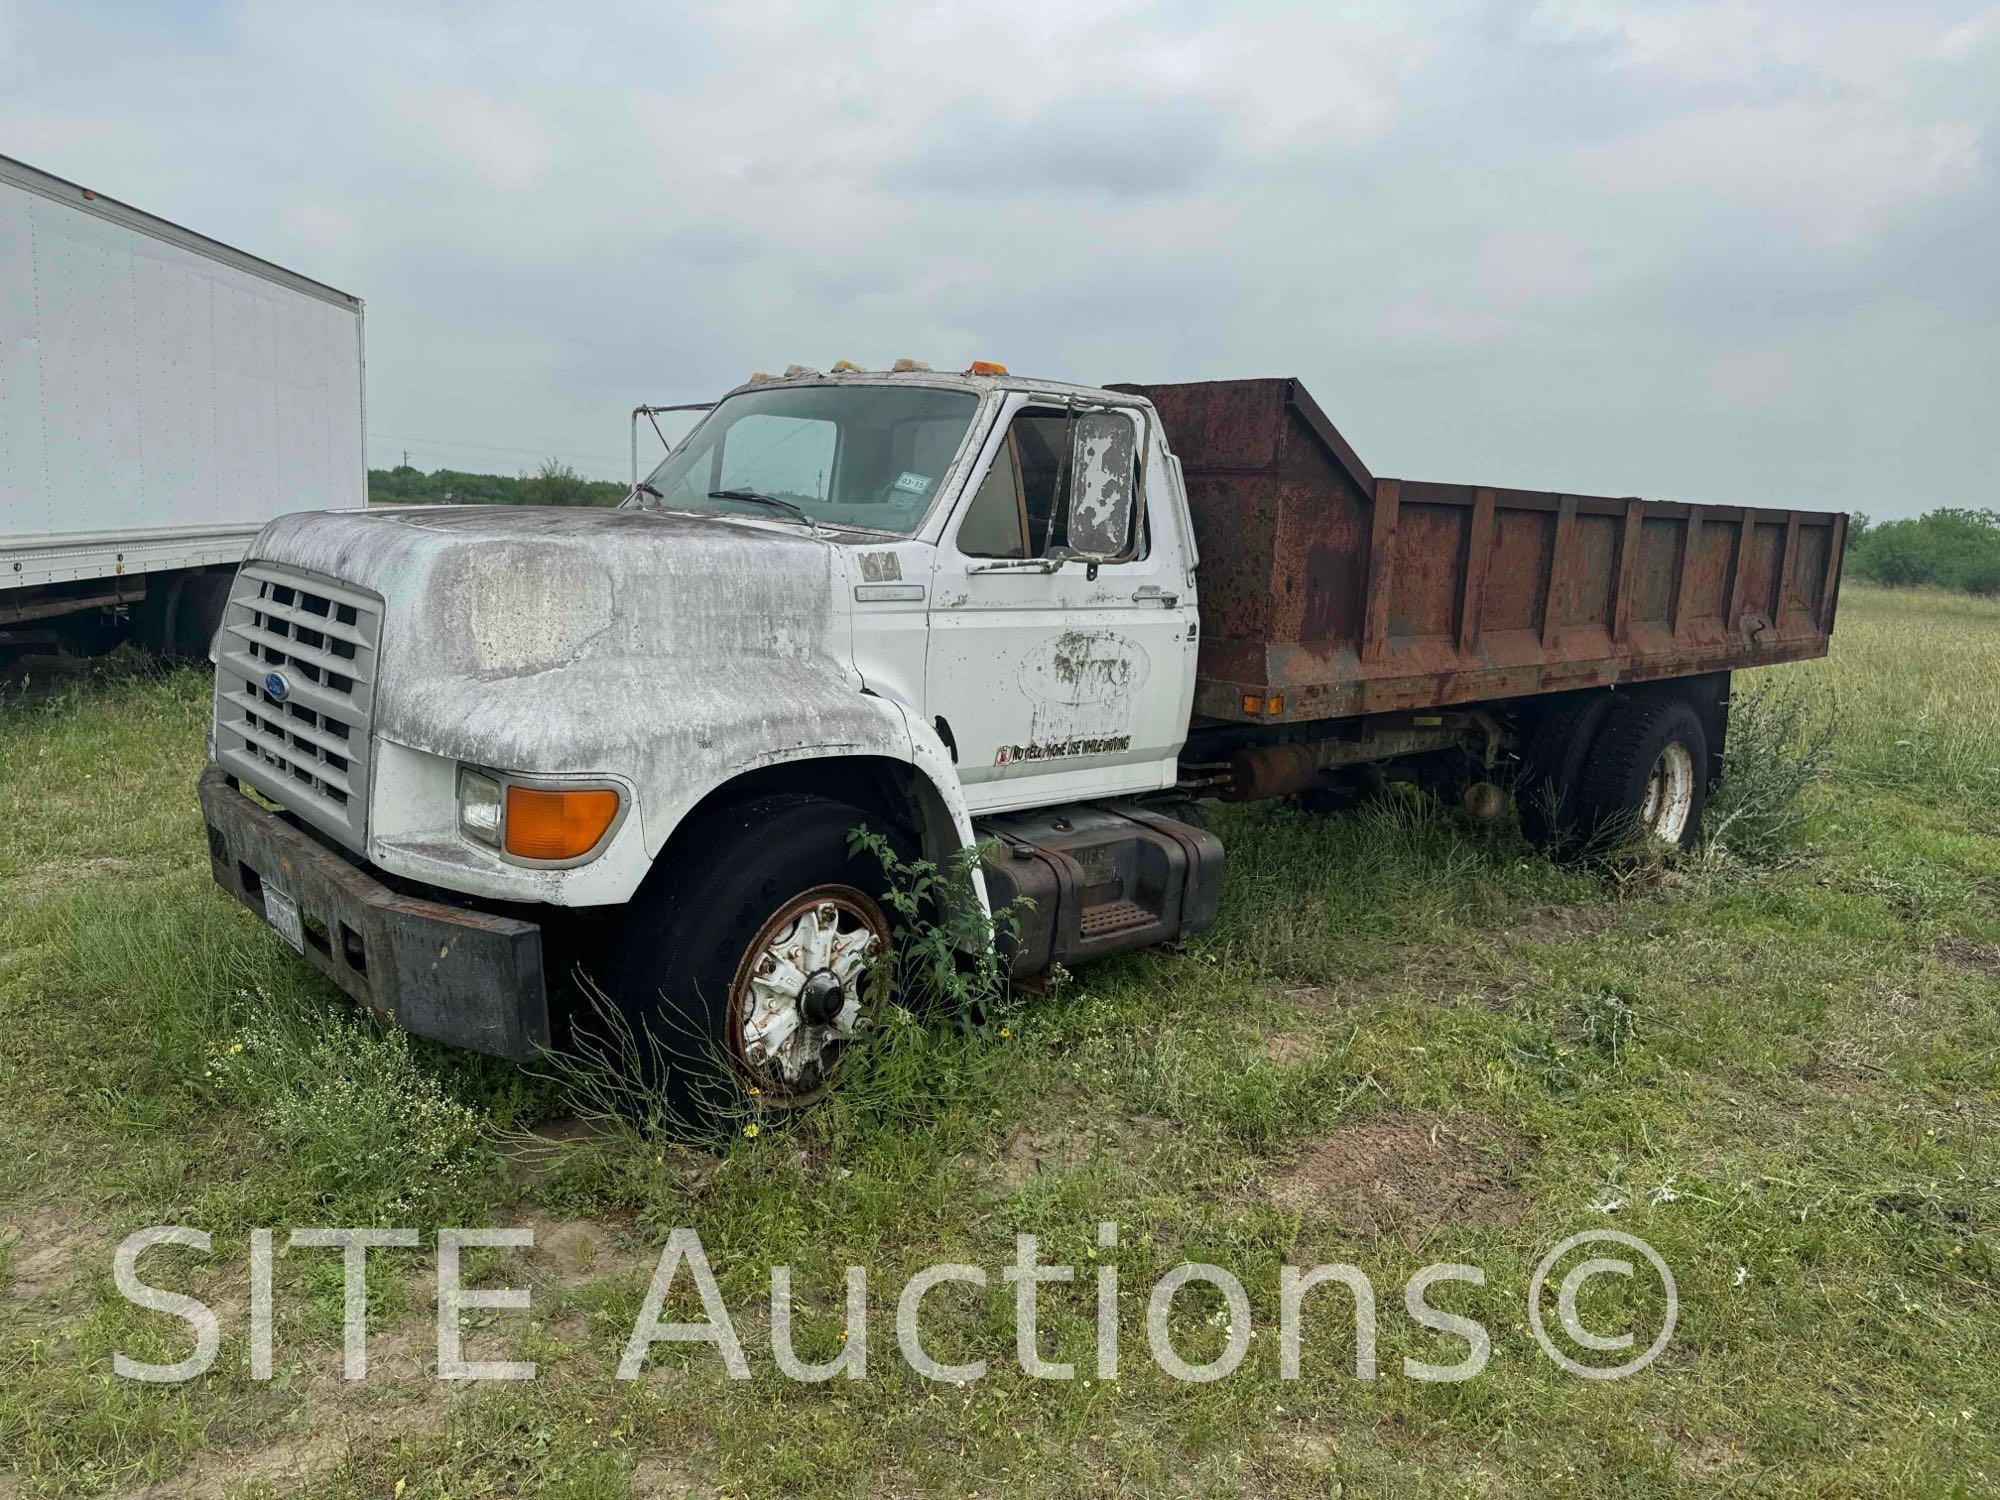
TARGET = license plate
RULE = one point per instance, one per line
(282, 912)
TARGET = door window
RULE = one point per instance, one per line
(996, 523)
(1020, 509)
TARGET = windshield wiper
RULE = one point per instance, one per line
(785, 505)
(643, 488)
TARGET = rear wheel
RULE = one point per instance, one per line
(742, 967)
(1648, 774)
(1546, 792)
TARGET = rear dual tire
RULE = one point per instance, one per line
(1607, 770)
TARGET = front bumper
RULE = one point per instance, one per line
(463, 977)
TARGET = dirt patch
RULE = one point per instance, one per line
(664, 1479)
(1403, 1171)
(1562, 924)
(52, 1246)
(222, 1472)
(1981, 958)
(1288, 1049)
(32, 886)
(1068, 1135)
(570, 1252)
(1705, 1458)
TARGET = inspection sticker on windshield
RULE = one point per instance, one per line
(914, 484)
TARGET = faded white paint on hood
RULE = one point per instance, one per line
(640, 644)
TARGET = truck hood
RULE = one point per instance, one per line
(578, 640)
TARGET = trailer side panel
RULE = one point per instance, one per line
(162, 395)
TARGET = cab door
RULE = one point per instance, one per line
(1062, 626)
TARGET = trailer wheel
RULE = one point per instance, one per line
(741, 971)
(181, 613)
(1546, 792)
(199, 615)
(1648, 773)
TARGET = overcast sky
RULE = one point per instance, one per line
(1709, 252)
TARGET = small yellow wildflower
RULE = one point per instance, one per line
(1005, 1033)
(750, 1130)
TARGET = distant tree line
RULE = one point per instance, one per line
(1948, 548)
(554, 483)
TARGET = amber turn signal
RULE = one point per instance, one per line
(545, 824)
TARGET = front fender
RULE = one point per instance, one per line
(861, 724)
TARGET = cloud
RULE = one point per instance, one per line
(1525, 265)
(506, 144)
(48, 135)
(1772, 48)
(316, 224)
(1114, 148)
(1831, 170)
(1820, 119)
(1970, 36)
(1117, 98)
(1751, 377)
(1422, 320)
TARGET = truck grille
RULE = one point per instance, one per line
(294, 690)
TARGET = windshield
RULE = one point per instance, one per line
(861, 456)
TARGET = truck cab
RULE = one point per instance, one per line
(908, 600)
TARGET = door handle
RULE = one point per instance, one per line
(1152, 593)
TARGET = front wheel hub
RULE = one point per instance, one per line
(823, 998)
(796, 999)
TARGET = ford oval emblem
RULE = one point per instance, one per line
(276, 686)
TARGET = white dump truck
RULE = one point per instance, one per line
(162, 396)
(460, 752)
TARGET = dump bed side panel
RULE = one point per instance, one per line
(1327, 591)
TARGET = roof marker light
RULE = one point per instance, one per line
(908, 366)
(985, 367)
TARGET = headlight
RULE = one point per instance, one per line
(535, 821)
(479, 807)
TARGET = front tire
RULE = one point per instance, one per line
(741, 966)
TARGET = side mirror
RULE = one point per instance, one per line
(1103, 448)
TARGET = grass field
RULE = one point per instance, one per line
(1408, 1040)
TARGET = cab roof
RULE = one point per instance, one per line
(954, 380)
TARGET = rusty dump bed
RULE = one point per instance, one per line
(1328, 592)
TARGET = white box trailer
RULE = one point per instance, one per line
(162, 396)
